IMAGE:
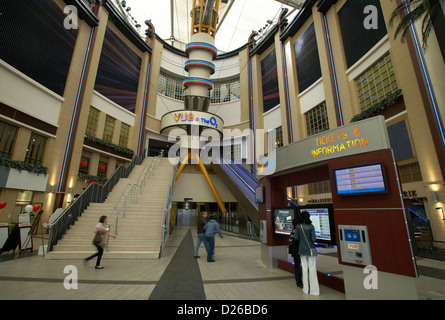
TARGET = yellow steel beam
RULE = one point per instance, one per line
(182, 165)
(210, 183)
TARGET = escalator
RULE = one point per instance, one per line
(241, 180)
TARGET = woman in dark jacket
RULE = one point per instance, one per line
(305, 232)
(293, 251)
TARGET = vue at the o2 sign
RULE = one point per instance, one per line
(191, 117)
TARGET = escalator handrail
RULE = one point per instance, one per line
(252, 178)
(253, 191)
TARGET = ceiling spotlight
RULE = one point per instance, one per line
(124, 3)
(128, 9)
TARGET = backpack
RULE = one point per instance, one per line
(293, 244)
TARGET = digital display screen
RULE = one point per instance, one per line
(353, 33)
(352, 235)
(269, 74)
(307, 59)
(321, 223)
(259, 194)
(366, 179)
(35, 41)
(118, 72)
(322, 218)
(283, 220)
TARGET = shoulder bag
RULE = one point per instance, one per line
(314, 252)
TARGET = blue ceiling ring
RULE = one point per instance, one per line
(201, 46)
(200, 81)
(199, 63)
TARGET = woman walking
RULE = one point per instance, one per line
(305, 232)
(100, 240)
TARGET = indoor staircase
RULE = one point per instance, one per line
(139, 233)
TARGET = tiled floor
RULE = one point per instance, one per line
(237, 274)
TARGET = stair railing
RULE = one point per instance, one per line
(165, 219)
(121, 206)
(148, 169)
(129, 197)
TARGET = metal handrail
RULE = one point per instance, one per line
(170, 196)
(166, 213)
(119, 207)
(149, 168)
(133, 195)
(110, 216)
(116, 207)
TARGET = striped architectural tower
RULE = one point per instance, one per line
(201, 53)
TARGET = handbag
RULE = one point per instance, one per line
(97, 239)
(313, 251)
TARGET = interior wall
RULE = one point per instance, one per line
(194, 185)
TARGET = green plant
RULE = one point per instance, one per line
(418, 9)
(22, 165)
(390, 99)
(90, 177)
(109, 144)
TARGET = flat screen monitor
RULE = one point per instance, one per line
(322, 217)
(360, 180)
(283, 220)
(259, 194)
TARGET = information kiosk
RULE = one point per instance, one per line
(368, 210)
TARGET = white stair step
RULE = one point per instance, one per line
(80, 255)
(111, 247)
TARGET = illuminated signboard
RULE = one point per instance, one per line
(338, 141)
(352, 139)
(188, 117)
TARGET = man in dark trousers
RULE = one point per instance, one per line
(201, 234)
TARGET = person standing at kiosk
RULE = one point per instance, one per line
(293, 251)
(305, 232)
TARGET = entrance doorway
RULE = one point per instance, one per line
(186, 217)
